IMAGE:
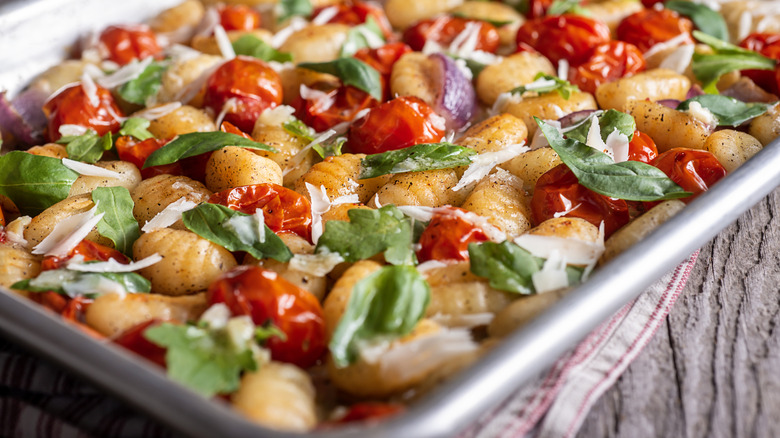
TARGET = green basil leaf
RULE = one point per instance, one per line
(118, 223)
(427, 156)
(267, 331)
(136, 127)
(34, 183)
(235, 231)
(609, 121)
(88, 147)
(291, 8)
(356, 37)
(560, 7)
(385, 305)
(77, 283)
(251, 45)
(299, 129)
(351, 72)
(370, 232)
(705, 18)
(196, 143)
(728, 111)
(144, 86)
(546, 83)
(202, 359)
(630, 180)
(727, 58)
(330, 148)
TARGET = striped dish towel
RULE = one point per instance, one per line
(39, 400)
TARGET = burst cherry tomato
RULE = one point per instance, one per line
(558, 191)
(130, 149)
(133, 339)
(87, 249)
(609, 61)
(355, 13)
(444, 29)
(341, 105)
(448, 235)
(243, 87)
(369, 411)
(767, 44)
(642, 148)
(72, 106)
(649, 27)
(692, 169)
(570, 37)
(123, 44)
(238, 17)
(283, 209)
(266, 297)
(402, 122)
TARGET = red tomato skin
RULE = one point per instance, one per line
(342, 105)
(767, 44)
(133, 339)
(642, 148)
(396, 124)
(88, 249)
(252, 84)
(356, 13)
(284, 210)
(238, 17)
(71, 106)
(568, 36)
(692, 169)
(558, 190)
(649, 27)
(136, 152)
(448, 235)
(125, 43)
(267, 297)
(609, 61)
(383, 59)
(444, 29)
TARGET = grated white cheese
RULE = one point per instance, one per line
(702, 114)
(112, 265)
(90, 89)
(169, 215)
(223, 42)
(158, 111)
(88, 169)
(600, 243)
(319, 264)
(679, 59)
(465, 43)
(569, 208)
(125, 74)
(216, 316)
(491, 231)
(417, 212)
(72, 130)
(68, 233)
(482, 164)
(552, 276)
(325, 15)
(276, 116)
(668, 44)
(578, 252)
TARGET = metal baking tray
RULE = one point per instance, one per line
(26, 50)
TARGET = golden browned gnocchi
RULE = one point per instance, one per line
(233, 167)
(152, 195)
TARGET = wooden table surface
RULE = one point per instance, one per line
(713, 368)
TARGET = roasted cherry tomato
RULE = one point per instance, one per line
(72, 106)
(558, 191)
(133, 339)
(651, 3)
(767, 44)
(570, 37)
(649, 27)
(396, 124)
(444, 29)
(130, 149)
(642, 148)
(692, 169)
(232, 129)
(284, 210)
(125, 43)
(609, 61)
(369, 411)
(448, 235)
(339, 104)
(238, 17)
(355, 13)
(382, 59)
(87, 249)
(269, 298)
(243, 87)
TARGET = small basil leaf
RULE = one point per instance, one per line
(299, 129)
(385, 305)
(118, 223)
(630, 180)
(704, 17)
(88, 147)
(196, 143)
(560, 7)
(292, 8)
(235, 231)
(508, 267)
(351, 72)
(136, 127)
(608, 121)
(370, 232)
(33, 182)
(77, 283)
(358, 37)
(144, 86)
(251, 45)
(729, 111)
(727, 58)
(544, 83)
(416, 158)
(330, 149)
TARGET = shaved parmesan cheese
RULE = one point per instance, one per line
(342, 127)
(68, 233)
(679, 59)
(276, 116)
(192, 89)
(769, 23)
(592, 265)
(325, 15)
(211, 20)
(323, 99)
(563, 69)
(296, 24)
(465, 321)
(417, 212)
(668, 44)
(702, 114)
(89, 169)
(125, 74)
(14, 230)
(466, 41)
(320, 204)
(430, 264)
(539, 140)
(491, 231)
(552, 276)
(90, 89)
(72, 130)
(169, 215)
(319, 264)
(158, 111)
(594, 138)
(569, 208)
(88, 284)
(179, 53)
(539, 83)
(296, 159)
(617, 143)
(112, 265)
(228, 106)
(482, 164)
(432, 47)
(248, 229)
(502, 101)
(744, 25)
(578, 252)
(223, 42)
(216, 316)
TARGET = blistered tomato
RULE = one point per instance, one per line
(337, 105)
(649, 27)
(609, 61)
(396, 124)
(448, 235)
(642, 148)
(269, 298)
(444, 29)
(123, 44)
(242, 88)
(692, 169)
(130, 149)
(559, 192)
(767, 44)
(95, 110)
(133, 339)
(570, 37)
(89, 251)
(355, 13)
(238, 17)
(284, 210)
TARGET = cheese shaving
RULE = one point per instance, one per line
(296, 159)
(228, 106)
(430, 265)
(552, 276)
(744, 25)
(223, 42)
(502, 101)
(296, 24)
(125, 74)
(90, 89)
(158, 111)
(216, 316)
(180, 53)
(72, 130)
(594, 139)
(679, 59)
(323, 99)
(482, 164)
(92, 284)
(112, 265)
(578, 252)
(320, 204)
(170, 215)
(592, 265)
(539, 140)
(248, 229)
(665, 45)
(276, 116)
(464, 321)
(702, 114)
(68, 233)
(319, 264)
(374, 41)
(491, 231)
(88, 169)
(417, 212)
(617, 142)
(539, 83)
(342, 127)
(325, 16)
(563, 69)
(210, 21)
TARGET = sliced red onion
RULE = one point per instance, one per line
(747, 91)
(574, 118)
(455, 99)
(23, 117)
(694, 91)
(671, 103)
